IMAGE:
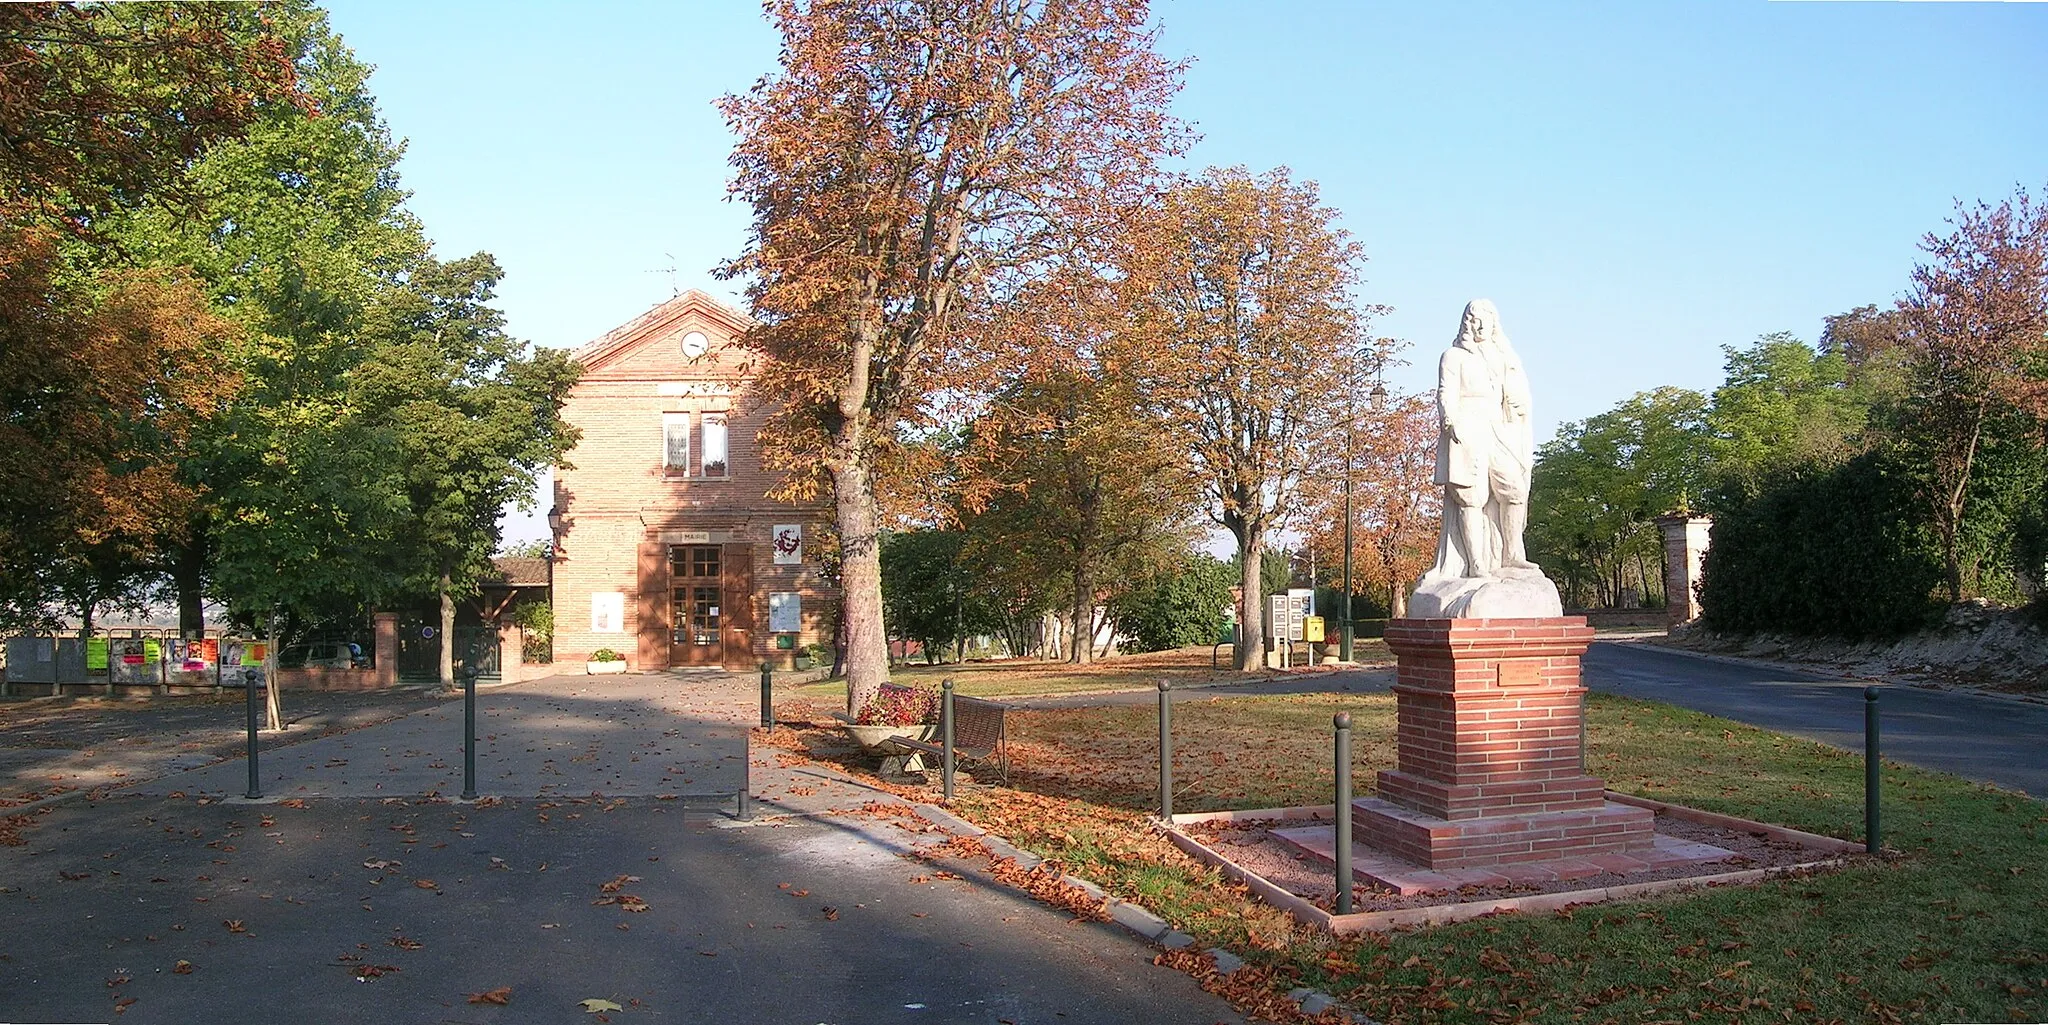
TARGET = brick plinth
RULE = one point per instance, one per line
(1488, 769)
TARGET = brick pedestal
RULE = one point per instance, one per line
(1489, 769)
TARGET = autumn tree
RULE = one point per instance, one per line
(1976, 326)
(102, 368)
(1386, 452)
(1244, 335)
(910, 166)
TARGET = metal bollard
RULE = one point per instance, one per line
(469, 674)
(249, 691)
(1343, 723)
(767, 694)
(946, 737)
(1871, 831)
(1166, 751)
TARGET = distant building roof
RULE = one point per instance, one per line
(517, 571)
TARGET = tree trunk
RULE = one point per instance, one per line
(1251, 641)
(447, 636)
(273, 712)
(188, 573)
(1083, 614)
(860, 577)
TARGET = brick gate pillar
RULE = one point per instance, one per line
(1685, 545)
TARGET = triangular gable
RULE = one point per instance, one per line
(657, 323)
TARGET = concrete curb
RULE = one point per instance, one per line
(1134, 918)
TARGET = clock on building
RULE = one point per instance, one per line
(695, 344)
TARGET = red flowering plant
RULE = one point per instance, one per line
(898, 705)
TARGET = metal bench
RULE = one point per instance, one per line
(978, 734)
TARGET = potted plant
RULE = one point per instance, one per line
(897, 711)
(804, 657)
(605, 660)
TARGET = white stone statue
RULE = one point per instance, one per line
(1483, 460)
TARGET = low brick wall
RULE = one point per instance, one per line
(320, 678)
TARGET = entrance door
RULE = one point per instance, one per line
(697, 605)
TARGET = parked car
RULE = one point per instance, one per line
(323, 655)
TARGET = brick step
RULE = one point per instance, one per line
(1379, 868)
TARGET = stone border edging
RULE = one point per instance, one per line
(1444, 914)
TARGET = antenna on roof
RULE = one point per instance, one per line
(670, 270)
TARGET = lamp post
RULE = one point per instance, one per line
(1373, 400)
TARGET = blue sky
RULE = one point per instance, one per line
(1634, 184)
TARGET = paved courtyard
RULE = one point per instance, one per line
(603, 865)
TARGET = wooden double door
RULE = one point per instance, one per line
(711, 590)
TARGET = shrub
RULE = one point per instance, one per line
(1176, 608)
(1838, 552)
(606, 655)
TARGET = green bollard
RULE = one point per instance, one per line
(1343, 852)
(946, 737)
(1871, 830)
(1166, 751)
(767, 694)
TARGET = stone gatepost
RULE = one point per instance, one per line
(1489, 769)
(1685, 544)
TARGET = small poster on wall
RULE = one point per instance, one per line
(608, 612)
(785, 612)
(96, 653)
(789, 544)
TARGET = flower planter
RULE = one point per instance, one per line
(876, 738)
(601, 668)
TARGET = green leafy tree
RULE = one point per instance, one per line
(930, 595)
(1784, 406)
(297, 229)
(1181, 605)
(469, 419)
(1600, 483)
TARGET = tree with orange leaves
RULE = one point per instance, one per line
(1396, 508)
(1976, 329)
(911, 166)
(1246, 334)
(103, 370)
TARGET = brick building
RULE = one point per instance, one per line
(668, 549)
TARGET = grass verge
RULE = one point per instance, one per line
(1954, 928)
(1018, 678)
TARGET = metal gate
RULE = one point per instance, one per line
(419, 651)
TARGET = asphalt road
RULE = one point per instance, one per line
(356, 897)
(1981, 737)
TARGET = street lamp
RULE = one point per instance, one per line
(1373, 400)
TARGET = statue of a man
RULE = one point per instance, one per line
(1483, 461)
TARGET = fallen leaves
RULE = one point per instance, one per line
(595, 1005)
(614, 893)
(234, 925)
(183, 967)
(500, 996)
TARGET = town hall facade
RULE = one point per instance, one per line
(668, 549)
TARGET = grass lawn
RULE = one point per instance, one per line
(1955, 928)
(1016, 678)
